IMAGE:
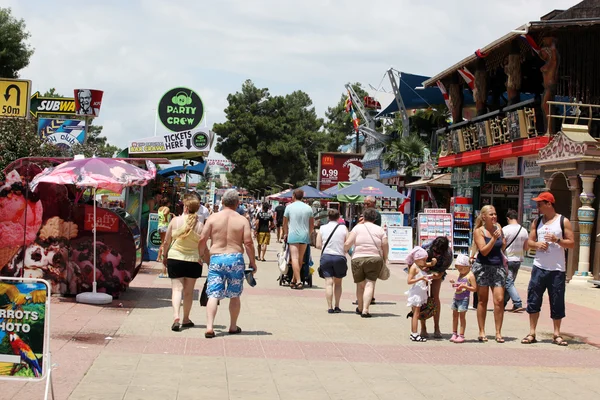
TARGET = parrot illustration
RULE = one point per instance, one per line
(28, 357)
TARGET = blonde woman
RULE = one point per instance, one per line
(488, 268)
(183, 260)
(164, 217)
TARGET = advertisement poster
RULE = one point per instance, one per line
(180, 109)
(401, 242)
(431, 226)
(40, 105)
(62, 132)
(153, 239)
(88, 102)
(184, 143)
(339, 167)
(45, 235)
(389, 218)
(510, 167)
(23, 307)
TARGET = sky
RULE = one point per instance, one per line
(136, 50)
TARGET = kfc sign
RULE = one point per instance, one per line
(105, 221)
(88, 102)
(339, 167)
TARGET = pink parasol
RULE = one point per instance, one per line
(96, 173)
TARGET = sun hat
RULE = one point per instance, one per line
(462, 260)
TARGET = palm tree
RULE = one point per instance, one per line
(405, 152)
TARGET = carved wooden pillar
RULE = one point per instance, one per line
(573, 254)
(549, 53)
(455, 93)
(513, 74)
(480, 92)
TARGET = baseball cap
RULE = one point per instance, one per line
(545, 196)
(463, 260)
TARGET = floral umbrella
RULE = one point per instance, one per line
(96, 173)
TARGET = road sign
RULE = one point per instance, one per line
(14, 97)
(180, 109)
(51, 105)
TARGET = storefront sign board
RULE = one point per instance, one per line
(510, 167)
(528, 166)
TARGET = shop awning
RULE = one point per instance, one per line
(440, 180)
(371, 158)
(518, 148)
(197, 169)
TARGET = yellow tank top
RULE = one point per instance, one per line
(185, 249)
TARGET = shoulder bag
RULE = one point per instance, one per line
(323, 249)
(384, 274)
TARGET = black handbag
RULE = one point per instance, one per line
(203, 295)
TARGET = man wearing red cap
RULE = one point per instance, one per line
(549, 235)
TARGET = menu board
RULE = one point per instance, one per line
(400, 242)
(431, 226)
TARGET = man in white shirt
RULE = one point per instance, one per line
(516, 245)
(549, 235)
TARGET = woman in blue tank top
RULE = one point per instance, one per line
(489, 269)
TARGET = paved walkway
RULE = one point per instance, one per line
(292, 349)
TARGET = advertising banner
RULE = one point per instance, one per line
(23, 328)
(401, 242)
(153, 239)
(184, 143)
(51, 105)
(216, 162)
(510, 167)
(62, 132)
(88, 102)
(53, 239)
(528, 166)
(389, 218)
(339, 167)
(180, 109)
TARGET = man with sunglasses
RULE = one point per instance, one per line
(549, 235)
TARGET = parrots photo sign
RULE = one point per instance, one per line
(23, 329)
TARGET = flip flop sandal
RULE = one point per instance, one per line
(365, 315)
(559, 341)
(188, 325)
(357, 311)
(482, 339)
(529, 339)
(209, 335)
(330, 311)
(176, 326)
(237, 330)
(417, 338)
(438, 335)
(499, 339)
(337, 310)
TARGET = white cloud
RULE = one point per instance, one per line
(137, 50)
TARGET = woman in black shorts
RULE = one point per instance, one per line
(183, 262)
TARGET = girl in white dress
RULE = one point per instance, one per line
(418, 293)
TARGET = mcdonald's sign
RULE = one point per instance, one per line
(339, 167)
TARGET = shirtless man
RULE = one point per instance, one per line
(229, 233)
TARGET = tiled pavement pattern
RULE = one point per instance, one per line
(292, 349)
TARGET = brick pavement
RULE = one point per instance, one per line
(291, 348)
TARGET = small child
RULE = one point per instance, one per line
(464, 285)
(417, 294)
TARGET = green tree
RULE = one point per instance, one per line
(338, 123)
(270, 139)
(19, 138)
(15, 52)
(405, 152)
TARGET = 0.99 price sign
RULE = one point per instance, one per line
(329, 173)
(339, 167)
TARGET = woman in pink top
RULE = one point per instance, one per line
(370, 253)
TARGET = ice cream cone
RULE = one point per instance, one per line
(6, 254)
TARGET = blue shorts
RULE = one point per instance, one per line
(552, 281)
(225, 269)
(460, 305)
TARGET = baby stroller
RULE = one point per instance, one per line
(285, 267)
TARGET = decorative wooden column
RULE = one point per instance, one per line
(480, 92)
(513, 74)
(455, 94)
(585, 215)
(549, 53)
(573, 254)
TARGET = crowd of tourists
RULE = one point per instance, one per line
(491, 268)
